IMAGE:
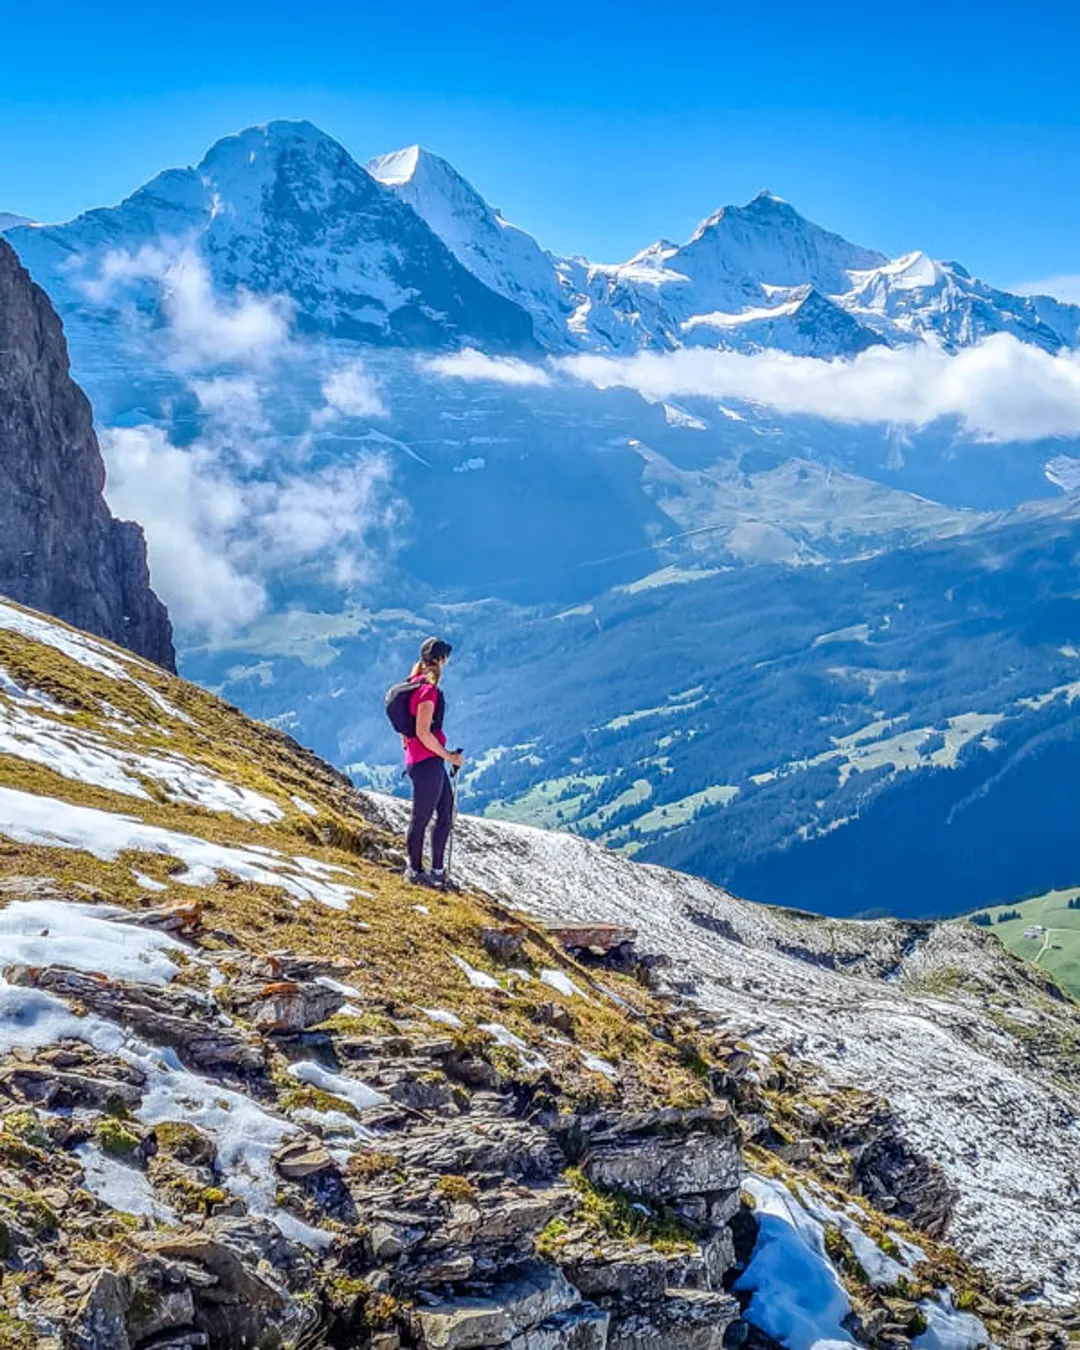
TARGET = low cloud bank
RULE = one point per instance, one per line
(240, 501)
(473, 365)
(205, 328)
(216, 535)
(999, 390)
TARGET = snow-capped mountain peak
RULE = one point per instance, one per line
(283, 209)
(501, 255)
(397, 167)
(408, 251)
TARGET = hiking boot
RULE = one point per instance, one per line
(437, 877)
(413, 878)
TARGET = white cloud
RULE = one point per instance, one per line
(234, 406)
(1000, 390)
(216, 533)
(1064, 286)
(204, 328)
(207, 329)
(349, 391)
(473, 365)
(189, 510)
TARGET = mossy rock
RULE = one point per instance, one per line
(184, 1142)
(117, 1140)
(31, 1210)
(27, 1126)
(458, 1190)
(617, 1214)
(15, 1334)
(551, 1240)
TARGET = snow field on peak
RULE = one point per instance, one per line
(28, 818)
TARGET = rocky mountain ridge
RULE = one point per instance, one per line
(284, 210)
(60, 548)
(254, 1089)
(750, 277)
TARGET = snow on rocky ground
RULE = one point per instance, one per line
(96, 939)
(88, 651)
(87, 757)
(28, 818)
(85, 937)
(841, 995)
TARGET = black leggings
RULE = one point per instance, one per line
(432, 795)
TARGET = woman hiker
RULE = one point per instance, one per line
(426, 758)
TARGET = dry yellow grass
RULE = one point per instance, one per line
(401, 956)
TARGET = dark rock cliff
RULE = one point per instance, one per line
(61, 550)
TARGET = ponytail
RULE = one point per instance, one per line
(429, 671)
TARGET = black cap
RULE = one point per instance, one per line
(433, 649)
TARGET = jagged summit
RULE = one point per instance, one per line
(399, 166)
(283, 208)
(257, 149)
(501, 255)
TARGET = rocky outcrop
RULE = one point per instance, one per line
(61, 550)
(234, 1112)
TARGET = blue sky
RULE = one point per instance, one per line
(599, 127)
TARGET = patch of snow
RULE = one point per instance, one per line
(597, 1065)
(479, 979)
(949, 1329)
(562, 982)
(331, 1123)
(304, 806)
(244, 1134)
(796, 1294)
(337, 1084)
(15, 691)
(679, 417)
(1064, 472)
(441, 1015)
(121, 1186)
(84, 937)
(31, 819)
(85, 757)
(87, 651)
(881, 1270)
(148, 883)
(530, 1058)
(349, 990)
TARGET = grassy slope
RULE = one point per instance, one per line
(1057, 950)
(400, 958)
(403, 956)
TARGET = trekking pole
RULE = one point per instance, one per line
(453, 820)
